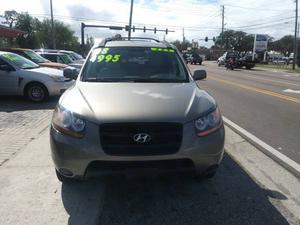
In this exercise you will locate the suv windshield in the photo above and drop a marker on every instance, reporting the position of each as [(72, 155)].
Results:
[(134, 64), (35, 57), (19, 61)]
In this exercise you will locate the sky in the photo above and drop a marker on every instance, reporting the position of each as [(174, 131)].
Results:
[(198, 18)]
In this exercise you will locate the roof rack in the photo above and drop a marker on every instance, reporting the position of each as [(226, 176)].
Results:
[(103, 42), (140, 38)]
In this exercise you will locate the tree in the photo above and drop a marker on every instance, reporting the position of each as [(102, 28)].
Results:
[(182, 45), (283, 45), (30, 25), (65, 37), (10, 17), (39, 33), (237, 40)]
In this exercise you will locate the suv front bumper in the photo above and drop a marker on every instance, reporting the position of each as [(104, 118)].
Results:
[(78, 156)]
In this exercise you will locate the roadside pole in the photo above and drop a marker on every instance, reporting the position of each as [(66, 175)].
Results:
[(254, 49), (130, 20), (295, 36), (223, 12), (52, 27)]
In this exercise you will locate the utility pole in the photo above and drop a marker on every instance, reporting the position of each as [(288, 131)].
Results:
[(52, 27), (130, 20), (223, 12), (183, 37), (295, 37)]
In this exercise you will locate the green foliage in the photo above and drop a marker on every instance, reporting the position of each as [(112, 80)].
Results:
[(39, 33), (182, 45), (283, 45), (237, 40), (28, 24), (10, 17)]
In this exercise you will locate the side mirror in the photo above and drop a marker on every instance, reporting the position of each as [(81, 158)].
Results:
[(199, 75), (6, 68), (70, 73)]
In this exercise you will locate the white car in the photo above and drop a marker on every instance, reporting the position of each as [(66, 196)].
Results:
[(20, 76), (221, 60)]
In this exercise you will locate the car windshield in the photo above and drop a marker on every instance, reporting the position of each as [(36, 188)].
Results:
[(35, 57), (134, 64), (66, 59), (70, 55), (19, 61)]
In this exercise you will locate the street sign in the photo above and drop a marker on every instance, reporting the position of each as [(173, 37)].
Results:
[(260, 42)]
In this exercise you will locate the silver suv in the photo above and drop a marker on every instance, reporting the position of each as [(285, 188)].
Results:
[(136, 105)]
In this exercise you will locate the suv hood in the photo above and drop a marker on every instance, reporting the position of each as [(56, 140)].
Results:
[(137, 102)]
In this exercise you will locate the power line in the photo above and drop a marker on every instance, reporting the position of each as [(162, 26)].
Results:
[(258, 9), (259, 24), (123, 22), (267, 26)]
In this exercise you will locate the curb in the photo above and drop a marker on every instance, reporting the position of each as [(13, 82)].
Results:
[(283, 160)]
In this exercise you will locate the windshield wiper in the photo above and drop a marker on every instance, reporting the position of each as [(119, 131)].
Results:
[(158, 80), (136, 80), (105, 80)]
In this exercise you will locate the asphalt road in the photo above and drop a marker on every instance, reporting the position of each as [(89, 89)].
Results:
[(265, 103)]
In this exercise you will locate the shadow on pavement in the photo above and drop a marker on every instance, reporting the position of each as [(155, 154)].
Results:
[(232, 198), (18, 103)]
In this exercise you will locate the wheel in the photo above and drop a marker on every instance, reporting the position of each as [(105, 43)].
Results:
[(64, 179), (36, 92)]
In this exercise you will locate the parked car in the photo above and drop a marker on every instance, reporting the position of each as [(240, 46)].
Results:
[(33, 56), (62, 56), (20, 76), (137, 106), (75, 56), (56, 57)]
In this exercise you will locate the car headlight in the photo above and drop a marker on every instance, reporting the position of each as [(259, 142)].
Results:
[(208, 124), (67, 123), (58, 78)]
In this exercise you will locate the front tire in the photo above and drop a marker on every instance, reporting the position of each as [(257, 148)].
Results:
[(36, 92)]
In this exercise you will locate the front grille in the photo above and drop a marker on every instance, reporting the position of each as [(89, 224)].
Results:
[(117, 138), (171, 164)]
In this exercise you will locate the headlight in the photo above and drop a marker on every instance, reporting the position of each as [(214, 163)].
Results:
[(209, 123), (67, 123), (58, 78)]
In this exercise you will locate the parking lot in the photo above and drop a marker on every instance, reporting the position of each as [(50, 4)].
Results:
[(31, 194)]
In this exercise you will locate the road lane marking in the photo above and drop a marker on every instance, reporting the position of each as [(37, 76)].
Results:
[(275, 81), (274, 154), (260, 78), (258, 90), (292, 91), (270, 76)]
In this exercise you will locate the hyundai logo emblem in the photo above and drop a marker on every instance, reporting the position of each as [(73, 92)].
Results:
[(142, 138)]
